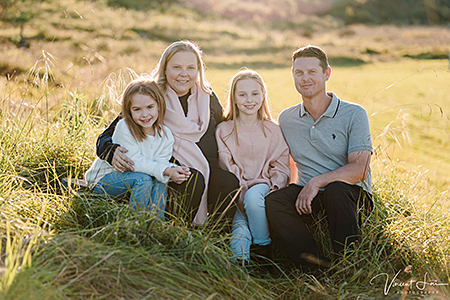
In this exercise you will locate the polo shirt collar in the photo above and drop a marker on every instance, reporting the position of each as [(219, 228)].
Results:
[(302, 110), (331, 110), (333, 107)]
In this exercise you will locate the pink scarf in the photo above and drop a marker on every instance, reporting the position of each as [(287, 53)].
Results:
[(187, 131)]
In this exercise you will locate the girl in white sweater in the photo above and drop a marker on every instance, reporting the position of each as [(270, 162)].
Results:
[(252, 147), (149, 144)]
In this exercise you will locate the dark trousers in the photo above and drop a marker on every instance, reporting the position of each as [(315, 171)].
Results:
[(339, 202), (221, 189)]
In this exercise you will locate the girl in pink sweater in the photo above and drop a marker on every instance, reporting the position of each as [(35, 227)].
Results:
[(252, 147)]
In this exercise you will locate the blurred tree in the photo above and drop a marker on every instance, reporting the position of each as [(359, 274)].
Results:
[(433, 12), (18, 13), (141, 4)]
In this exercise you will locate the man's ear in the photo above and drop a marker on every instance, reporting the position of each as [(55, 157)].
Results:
[(328, 72)]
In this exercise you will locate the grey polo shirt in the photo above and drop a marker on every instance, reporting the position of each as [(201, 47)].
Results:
[(322, 146)]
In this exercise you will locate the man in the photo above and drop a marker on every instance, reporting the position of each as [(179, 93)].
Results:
[(329, 140)]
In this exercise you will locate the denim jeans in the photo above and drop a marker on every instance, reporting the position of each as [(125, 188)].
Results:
[(145, 191), (250, 227)]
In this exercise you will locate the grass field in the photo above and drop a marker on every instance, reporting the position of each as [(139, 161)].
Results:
[(67, 246), (57, 95)]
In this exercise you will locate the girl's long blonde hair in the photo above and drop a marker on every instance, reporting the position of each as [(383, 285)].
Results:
[(232, 111), (144, 85), (159, 73)]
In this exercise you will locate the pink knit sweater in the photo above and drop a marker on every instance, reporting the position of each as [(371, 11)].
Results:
[(258, 158)]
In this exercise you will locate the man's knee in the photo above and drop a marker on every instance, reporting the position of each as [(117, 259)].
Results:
[(342, 190), (336, 187), (287, 195), (271, 200), (339, 196), (277, 201)]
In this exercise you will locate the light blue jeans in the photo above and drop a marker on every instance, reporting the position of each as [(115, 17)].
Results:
[(250, 227), (145, 191)]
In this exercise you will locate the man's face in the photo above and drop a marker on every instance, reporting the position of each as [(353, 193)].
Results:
[(309, 78)]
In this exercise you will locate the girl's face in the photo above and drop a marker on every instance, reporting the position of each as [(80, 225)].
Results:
[(249, 97), (144, 111), (182, 72)]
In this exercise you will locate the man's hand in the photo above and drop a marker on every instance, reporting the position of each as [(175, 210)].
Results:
[(121, 162), (177, 174), (306, 196)]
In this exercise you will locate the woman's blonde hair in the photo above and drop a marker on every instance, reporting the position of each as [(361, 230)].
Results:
[(232, 111), (144, 85), (159, 73)]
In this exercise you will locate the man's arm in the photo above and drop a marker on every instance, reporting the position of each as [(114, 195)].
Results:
[(355, 171)]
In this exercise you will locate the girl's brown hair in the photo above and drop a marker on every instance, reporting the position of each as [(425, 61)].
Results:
[(232, 111), (144, 85)]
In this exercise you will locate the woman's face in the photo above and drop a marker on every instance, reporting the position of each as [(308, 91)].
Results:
[(182, 72)]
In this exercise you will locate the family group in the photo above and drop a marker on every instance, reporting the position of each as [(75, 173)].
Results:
[(173, 132)]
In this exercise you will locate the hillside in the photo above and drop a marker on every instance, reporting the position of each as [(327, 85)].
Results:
[(59, 91), (91, 33)]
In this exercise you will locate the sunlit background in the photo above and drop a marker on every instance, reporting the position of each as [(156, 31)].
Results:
[(64, 63)]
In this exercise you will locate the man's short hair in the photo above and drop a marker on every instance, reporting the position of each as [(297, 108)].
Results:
[(312, 51)]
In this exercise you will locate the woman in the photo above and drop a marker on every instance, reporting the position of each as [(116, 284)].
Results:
[(192, 113)]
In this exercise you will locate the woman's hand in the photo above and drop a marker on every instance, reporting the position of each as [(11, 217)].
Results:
[(177, 174), (121, 162)]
